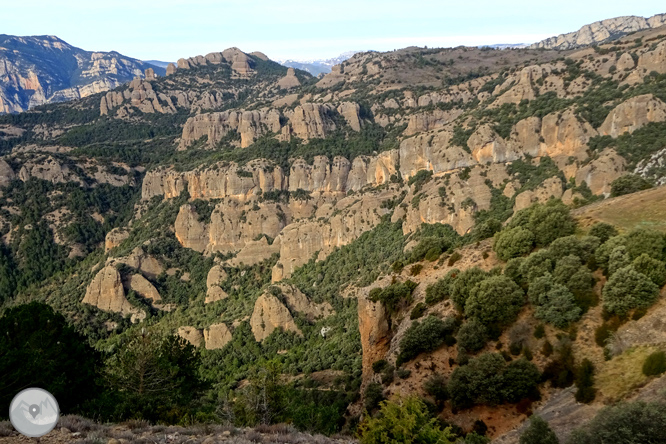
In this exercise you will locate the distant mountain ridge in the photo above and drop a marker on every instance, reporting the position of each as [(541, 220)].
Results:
[(35, 70), (601, 32), (318, 66)]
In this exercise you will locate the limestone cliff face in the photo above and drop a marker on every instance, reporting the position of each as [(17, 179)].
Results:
[(6, 173), (601, 172), (216, 275), (241, 64), (190, 232), (269, 313), (550, 188), (217, 336), (144, 288), (106, 293), (290, 80), (633, 114), (114, 238), (653, 60), (373, 324), (248, 125), (601, 32), (44, 69), (192, 335)]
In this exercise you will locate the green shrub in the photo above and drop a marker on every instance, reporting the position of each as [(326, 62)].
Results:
[(603, 231), (570, 272), (652, 268), (626, 423), (655, 364), (435, 386), (424, 336), (472, 336), (462, 285), (619, 258), (585, 382), (379, 366), (539, 331), (373, 396), (554, 303), (455, 257), (433, 254), (489, 380), (538, 432), (628, 184), (512, 270), (403, 421), (393, 295), (513, 242), (628, 289), (645, 241), (536, 265), (415, 269), (440, 290), (547, 221), (496, 300), (418, 311)]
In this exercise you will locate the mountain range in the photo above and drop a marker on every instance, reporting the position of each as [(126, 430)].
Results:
[(481, 228)]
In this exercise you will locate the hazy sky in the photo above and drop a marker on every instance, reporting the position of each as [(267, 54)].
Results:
[(299, 29)]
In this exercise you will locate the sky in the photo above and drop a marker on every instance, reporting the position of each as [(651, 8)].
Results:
[(300, 29)]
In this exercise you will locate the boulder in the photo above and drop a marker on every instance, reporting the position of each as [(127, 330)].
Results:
[(114, 238), (268, 314), (144, 288), (191, 335), (150, 74), (106, 292), (217, 336), (170, 69), (633, 114)]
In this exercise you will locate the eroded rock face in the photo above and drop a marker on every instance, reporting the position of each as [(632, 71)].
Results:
[(601, 172), (311, 121), (633, 114), (653, 60), (106, 292), (249, 125), (139, 260), (373, 325), (144, 288), (269, 313), (6, 173), (192, 335), (114, 238), (215, 277), (217, 336), (297, 301), (47, 169), (550, 188), (290, 80), (190, 232)]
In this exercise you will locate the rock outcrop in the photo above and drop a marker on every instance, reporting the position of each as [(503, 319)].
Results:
[(549, 189), (654, 60), (633, 114), (268, 314), (192, 335), (601, 32), (290, 80), (6, 173), (217, 336), (296, 301), (373, 325), (190, 232), (114, 238), (144, 288), (106, 293), (601, 172), (216, 275)]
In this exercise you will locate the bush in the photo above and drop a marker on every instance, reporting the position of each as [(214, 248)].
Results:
[(536, 265), (418, 311), (462, 285), (455, 257), (570, 272), (547, 221), (585, 382), (538, 432), (644, 241), (514, 242), (628, 184), (652, 268), (472, 336), (435, 386), (655, 364), (628, 289), (424, 336), (373, 396), (489, 380), (627, 423), (393, 295), (539, 331), (603, 231), (619, 258), (496, 300), (440, 290), (554, 303), (403, 421), (379, 366), (512, 270)]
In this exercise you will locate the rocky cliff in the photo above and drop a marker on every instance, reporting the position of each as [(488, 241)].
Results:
[(601, 32), (44, 69)]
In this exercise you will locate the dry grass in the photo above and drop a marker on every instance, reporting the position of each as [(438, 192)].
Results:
[(643, 209), (6, 428), (623, 373)]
